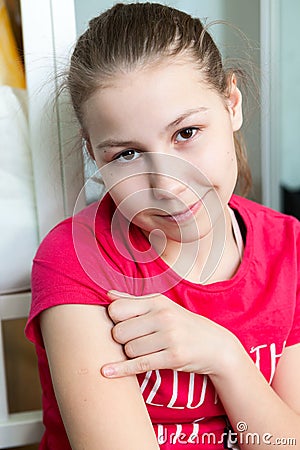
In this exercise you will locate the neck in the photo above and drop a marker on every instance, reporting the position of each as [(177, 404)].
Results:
[(214, 257)]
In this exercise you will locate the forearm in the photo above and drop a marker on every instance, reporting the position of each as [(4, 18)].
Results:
[(248, 399)]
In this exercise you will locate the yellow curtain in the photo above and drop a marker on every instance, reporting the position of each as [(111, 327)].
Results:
[(11, 68)]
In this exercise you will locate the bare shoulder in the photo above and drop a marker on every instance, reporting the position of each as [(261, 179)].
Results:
[(78, 342), (286, 380)]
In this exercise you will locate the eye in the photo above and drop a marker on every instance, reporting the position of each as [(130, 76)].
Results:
[(186, 134), (127, 156)]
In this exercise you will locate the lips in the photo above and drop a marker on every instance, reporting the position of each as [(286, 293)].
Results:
[(184, 215)]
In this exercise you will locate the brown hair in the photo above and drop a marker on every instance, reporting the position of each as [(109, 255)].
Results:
[(128, 36)]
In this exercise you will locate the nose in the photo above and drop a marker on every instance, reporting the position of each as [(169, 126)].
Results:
[(166, 186), (166, 176)]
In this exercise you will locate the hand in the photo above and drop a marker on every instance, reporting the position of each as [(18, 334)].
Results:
[(159, 334)]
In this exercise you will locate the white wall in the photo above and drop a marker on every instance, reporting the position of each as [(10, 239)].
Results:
[(85, 10), (290, 94)]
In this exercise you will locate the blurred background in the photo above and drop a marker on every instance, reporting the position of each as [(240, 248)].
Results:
[(42, 178)]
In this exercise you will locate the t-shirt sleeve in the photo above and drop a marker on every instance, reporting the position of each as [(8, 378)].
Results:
[(294, 336), (68, 270)]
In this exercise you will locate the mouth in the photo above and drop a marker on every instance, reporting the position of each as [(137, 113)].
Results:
[(183, 216)]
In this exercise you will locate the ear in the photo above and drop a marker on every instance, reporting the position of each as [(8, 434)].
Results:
[(234, 103)]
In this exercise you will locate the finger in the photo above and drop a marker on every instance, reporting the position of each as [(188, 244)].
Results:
[(134, 366), (117, 294), (133, 328), (113, 295), (126, 308), (144, 345)]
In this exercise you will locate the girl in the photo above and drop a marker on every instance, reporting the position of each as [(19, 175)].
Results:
[(170, 277)]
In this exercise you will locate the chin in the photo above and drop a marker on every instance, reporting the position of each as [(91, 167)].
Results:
[(186, 236)]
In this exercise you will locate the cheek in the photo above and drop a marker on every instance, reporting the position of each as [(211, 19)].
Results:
[(120, 181), (143, 221), (231, 157), (130, 195), (217, 157)]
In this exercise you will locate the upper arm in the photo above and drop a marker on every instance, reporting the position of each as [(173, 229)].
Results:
[(78, 342), (286, 380)]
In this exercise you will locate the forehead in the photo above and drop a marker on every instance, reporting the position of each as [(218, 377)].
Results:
[(156, 92)]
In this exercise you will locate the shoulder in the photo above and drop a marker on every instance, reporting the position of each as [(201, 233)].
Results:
[(272, 238), (81, 256), (67, 267), (264, 218), (93, 220), (81, 247)]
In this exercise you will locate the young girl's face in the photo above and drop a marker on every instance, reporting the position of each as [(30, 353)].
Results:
[(164, 142)]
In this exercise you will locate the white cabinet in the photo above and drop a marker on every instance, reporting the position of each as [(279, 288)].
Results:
[(19, 428)]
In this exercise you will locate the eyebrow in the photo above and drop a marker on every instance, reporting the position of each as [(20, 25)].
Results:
[(186, 114), (116, 143)]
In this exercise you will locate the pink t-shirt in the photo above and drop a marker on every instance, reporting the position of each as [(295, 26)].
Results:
[(83, 257)]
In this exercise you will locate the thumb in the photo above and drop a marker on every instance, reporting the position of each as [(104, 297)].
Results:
[(113, 295)]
